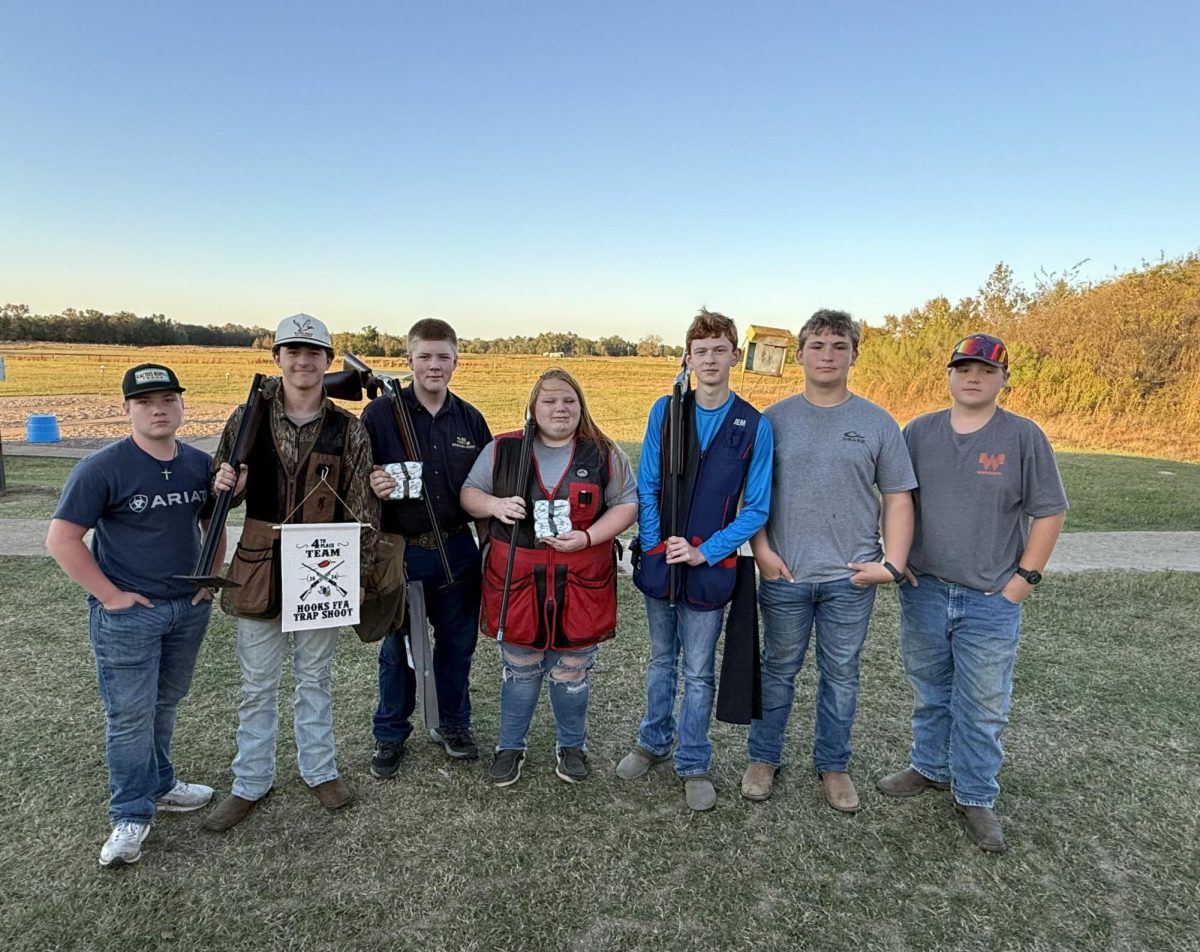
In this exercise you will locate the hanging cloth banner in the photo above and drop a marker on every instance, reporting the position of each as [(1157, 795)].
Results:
[(319, 565)]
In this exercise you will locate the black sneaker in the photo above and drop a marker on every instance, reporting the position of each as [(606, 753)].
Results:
[(386, 760), (506, 768), (457, 742), (572, 765)]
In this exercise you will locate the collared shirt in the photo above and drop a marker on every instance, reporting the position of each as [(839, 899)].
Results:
[(448, 443), (290, 440)]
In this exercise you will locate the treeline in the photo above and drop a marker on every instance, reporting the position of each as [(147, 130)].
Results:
[(96, 327), (370, 342), (1113, 364), (17, 323)]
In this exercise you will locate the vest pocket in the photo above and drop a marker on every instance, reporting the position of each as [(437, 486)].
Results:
[(521, 623), (589, 609), (711, 586), (253, 568), (650, 571), (585, 500)]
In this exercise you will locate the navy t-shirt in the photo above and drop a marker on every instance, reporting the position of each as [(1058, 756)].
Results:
[(147, 525)]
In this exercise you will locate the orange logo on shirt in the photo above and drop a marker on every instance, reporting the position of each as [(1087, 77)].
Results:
[(990, 464)]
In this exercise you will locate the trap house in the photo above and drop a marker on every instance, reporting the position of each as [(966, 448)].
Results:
[(319, 563)]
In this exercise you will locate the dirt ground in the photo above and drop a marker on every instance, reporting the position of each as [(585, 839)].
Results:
[(99, 416)]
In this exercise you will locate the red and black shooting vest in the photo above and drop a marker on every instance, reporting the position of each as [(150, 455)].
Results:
[(557, 600), (709, 491)]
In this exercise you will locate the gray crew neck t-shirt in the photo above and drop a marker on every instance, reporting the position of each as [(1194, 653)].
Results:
[(829, 462), (978, 493)]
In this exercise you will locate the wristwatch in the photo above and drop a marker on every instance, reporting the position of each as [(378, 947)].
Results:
[(1032, 576), (897, 575)]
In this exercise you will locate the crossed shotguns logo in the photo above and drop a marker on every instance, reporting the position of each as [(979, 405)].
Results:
[(323, 571)]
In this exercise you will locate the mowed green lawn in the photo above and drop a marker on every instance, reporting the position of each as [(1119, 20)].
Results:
[(1107, 493), (1099, 799), (1099, 795)]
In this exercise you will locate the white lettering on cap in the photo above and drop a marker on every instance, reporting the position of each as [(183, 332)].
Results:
[(151, 375)]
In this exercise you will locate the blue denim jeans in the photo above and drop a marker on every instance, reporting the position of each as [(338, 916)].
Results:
[(570, 691), (679, 630), (454, 617), (144, 663), (791, 611), (260, 647), (959, 646)]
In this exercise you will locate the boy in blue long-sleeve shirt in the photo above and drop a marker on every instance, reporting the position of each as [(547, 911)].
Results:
[(688, 577)]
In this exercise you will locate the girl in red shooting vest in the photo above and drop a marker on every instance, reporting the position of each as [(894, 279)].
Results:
[(579, 495)]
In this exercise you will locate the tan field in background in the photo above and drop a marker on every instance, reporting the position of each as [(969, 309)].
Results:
[(81, 384)]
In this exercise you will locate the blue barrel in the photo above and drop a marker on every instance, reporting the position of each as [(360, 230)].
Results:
[(42, 428)]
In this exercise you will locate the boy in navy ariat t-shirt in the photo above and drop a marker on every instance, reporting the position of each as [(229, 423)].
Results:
[(146, 497)]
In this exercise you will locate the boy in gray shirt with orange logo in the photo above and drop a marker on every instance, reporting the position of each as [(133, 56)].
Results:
[(989, 511)]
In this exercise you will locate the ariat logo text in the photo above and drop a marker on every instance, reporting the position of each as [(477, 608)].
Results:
[(990, 464)]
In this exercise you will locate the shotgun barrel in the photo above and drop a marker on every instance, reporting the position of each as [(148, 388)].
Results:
[(673, 456), (256, 406), (522, 482)]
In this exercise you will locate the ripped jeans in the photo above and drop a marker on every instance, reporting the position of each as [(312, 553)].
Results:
[(524, 670)]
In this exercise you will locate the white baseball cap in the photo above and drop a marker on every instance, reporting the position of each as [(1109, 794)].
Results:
[(303, 329)]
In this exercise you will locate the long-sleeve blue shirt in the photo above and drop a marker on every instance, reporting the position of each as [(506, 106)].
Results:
[(756, 499)]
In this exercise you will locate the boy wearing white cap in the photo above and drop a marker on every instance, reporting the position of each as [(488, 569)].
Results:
[(309, 462)]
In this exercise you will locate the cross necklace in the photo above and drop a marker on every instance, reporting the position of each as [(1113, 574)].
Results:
[(166, 470)]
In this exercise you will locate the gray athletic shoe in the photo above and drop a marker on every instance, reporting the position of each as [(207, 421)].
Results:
[(184, 797), (124, 844), (637, 763)]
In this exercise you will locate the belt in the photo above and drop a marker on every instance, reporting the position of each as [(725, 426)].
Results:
[(428, 540)]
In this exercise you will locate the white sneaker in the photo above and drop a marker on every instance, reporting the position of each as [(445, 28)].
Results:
[(184, 797), (124, 844)]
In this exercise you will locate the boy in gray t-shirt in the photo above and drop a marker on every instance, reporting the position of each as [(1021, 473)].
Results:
[(840, 467), (989, 511)]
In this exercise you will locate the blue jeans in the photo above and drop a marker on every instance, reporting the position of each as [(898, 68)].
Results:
[(570, 690), (144, 663), (454, 617), (260, 647), (959, 646), (839, 612), (674, 630)]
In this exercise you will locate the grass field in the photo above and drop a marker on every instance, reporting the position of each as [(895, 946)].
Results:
[(619, 390), (81, 382), (1099, 797), (1107, 493)]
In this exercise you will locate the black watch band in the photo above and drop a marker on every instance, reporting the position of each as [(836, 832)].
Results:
[(1032, 576), (897, 575)]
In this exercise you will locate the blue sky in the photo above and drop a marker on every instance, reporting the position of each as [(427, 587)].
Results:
[(596, 167)]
